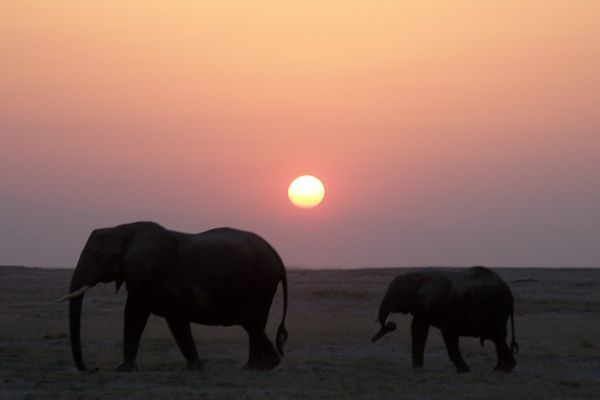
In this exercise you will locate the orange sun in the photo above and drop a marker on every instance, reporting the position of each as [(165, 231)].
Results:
[(306, 191)]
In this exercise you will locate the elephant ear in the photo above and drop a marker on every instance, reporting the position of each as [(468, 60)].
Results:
[(432, 293), (146, 255)]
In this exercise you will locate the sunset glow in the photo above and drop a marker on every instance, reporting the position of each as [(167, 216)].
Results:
[(454, 132), (306, 191)]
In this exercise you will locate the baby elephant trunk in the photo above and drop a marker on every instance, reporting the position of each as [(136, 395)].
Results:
[(388, 327), (384, 311)]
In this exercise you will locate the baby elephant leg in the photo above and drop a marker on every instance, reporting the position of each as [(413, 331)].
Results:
[(419, 330), (506, 360), (451, 340)]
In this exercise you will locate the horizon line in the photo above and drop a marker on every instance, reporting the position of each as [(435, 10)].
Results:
[(354, 268)]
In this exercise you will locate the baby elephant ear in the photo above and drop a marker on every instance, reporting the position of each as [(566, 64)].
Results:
[(432, 293), (146, 255)]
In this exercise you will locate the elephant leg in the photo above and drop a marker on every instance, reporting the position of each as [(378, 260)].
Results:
[(182, 333), (419, 330), (262, 353), (135, 322), (506, 360), (451, 340)]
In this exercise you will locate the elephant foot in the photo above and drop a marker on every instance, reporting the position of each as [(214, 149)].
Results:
[(463, 369), (260, 367), (195, 365), (505, 367), (126, 366), (262, 354), (263, 363), (87, 370)]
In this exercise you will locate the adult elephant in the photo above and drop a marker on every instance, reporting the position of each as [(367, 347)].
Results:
[(472, 302), (219, 277)]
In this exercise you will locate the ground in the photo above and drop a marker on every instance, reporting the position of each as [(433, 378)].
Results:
[(328, 355)]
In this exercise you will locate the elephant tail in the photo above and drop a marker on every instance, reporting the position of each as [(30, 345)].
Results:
[(282, 333), (514, 346)]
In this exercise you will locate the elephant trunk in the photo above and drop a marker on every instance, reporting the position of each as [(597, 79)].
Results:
[(78, 282), (384, 311), (75, 331)]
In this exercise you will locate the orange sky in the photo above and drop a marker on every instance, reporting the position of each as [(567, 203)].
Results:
[(446, 132)]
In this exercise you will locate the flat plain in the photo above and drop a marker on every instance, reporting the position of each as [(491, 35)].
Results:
[(328, 355)]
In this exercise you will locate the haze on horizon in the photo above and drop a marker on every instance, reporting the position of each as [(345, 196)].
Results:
[(446, 133)]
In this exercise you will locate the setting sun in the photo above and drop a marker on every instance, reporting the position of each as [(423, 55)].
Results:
[(306, 191)]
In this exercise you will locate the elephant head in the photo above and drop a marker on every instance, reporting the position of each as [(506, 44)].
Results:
[(130, 253), (413, 293)]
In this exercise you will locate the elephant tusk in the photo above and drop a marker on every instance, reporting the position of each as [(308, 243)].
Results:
[(76, 293)]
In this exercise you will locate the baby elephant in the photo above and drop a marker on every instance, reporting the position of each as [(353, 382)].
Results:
[(473, 302)]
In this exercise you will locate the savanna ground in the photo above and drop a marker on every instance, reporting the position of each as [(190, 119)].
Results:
[(328, 355)]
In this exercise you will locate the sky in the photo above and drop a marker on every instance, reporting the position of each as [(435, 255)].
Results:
[(446, 133)]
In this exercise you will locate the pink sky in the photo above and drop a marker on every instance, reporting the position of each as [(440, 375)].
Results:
[(446, 133)]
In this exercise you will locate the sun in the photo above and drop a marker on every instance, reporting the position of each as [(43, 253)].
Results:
[(306, 191)]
